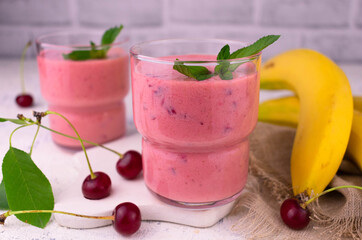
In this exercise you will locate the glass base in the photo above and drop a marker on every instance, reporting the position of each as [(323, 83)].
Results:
[(194, 205), (96, 124)]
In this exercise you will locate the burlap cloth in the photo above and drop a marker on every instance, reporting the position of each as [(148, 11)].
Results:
[(336, 215)]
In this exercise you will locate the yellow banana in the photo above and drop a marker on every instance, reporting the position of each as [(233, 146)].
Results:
[(354, 149), (357, 103), (280, 111), (285, 112), (325, 119)]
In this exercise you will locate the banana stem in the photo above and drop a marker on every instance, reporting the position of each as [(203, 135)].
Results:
[(79, 138), (28, 44), (304, 205)]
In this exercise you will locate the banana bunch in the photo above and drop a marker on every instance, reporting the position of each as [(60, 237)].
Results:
[(323, 117), (285, 111)]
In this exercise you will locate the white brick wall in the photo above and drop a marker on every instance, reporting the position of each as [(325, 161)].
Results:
[(306, 13), (345, 48), (359, 15), (233, 12), (12, 42), (132, 13), (34, 12), (333, 27)]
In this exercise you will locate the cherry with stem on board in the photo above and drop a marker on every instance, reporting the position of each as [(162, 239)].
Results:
[(24, 99), (126, 217), (295, 213), (95, 186)]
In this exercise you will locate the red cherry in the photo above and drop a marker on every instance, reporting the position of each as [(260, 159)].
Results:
[(293, 215), (127, 218), (130, 165), (97, 188), (24, 100)]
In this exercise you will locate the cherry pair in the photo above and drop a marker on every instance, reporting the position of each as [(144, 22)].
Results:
[(128, 166)]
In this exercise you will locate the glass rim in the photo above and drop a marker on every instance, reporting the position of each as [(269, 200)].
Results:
[(122, 39), (133, 51)]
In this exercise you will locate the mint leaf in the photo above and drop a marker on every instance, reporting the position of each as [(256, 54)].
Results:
[(197, 72), (108, 38), (223, 67), (26, 187), (78, 55), (16, 121), (250, 50), (255, 47), (3, 200), (224, 53), (93, 45), (110, 35), (226, 76)]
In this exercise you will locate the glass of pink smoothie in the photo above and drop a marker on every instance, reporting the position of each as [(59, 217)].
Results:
[(195, 133), (89, 93)]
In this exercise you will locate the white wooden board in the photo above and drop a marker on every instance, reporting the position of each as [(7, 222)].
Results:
[(123, 190)]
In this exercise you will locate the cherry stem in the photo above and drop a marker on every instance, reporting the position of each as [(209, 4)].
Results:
[(9, 213), (12, 133), (36, 134), (84, 140), (304, 205), (28, 44), (79, 138), (68, 136)]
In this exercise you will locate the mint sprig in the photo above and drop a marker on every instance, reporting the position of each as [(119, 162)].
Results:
[(225, 69), (108, 38), (197, 72)]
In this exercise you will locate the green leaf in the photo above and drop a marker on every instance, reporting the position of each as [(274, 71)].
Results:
[(3, 200), (93, 45), (224, 53), (78, 55), (199, 73), (226, 76), (223, 67), (108, 38), (26, 187), (110, 35), (255, 47), (16, 121)]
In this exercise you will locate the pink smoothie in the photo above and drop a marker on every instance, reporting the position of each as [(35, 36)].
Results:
[(195, 146), (89, 93)]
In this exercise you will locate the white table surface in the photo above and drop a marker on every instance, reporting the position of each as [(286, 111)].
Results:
[(56, 163)]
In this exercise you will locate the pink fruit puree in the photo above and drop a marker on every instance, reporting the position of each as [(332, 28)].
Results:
[(195, 146), (89, 93)]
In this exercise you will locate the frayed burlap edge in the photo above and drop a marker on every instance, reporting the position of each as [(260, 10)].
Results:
[(255, 225), (340, 227)]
